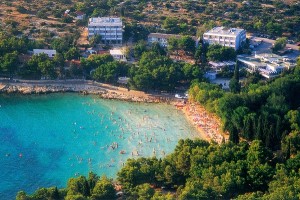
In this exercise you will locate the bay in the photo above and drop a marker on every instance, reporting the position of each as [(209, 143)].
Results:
[(46, 139)]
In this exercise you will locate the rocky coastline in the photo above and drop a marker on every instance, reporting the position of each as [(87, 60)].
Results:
[(107, 91), (102, 90)]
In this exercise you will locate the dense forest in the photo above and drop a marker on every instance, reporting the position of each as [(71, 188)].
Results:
[(267, 111)]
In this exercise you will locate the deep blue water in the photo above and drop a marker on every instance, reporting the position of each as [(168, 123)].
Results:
[(46, 139)]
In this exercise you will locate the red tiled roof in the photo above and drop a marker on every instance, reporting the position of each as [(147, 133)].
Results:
[(78, 13)]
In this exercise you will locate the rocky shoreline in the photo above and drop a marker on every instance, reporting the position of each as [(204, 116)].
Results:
[(105, 91)]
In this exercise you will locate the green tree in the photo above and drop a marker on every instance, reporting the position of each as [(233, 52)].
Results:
[(173, 44), (94, 40), (160, 196), (188, 44), (200, 53), (139, 48), (274, 28), (72, 53), (191, 72), (217, 52), (156, 48), (258, 25), (293, 116), (234, 84), (259, 171), (62, 44), (47, 69), (279, 44), (170, 24), (21, 195), (145, 191), (39, 65), (109, 72), (9, 63), (103, 189), (78, 187), (92, 180), (233, 134)]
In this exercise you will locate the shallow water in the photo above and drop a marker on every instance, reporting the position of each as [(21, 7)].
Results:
[(46, 139)]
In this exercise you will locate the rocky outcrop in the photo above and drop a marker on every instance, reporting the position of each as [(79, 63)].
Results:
[(44, 89), (24, 88)]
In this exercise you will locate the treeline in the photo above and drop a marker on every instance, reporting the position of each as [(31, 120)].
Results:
[(14, 59), (265, 111), (80, 188), (154, 71), (195, 170)]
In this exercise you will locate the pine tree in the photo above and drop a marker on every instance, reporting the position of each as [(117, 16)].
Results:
[(258, 135), (233, 135), (288, 151), (55, 194), (234, 84)]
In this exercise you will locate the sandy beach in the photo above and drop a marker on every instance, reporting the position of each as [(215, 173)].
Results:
[(207, 124)]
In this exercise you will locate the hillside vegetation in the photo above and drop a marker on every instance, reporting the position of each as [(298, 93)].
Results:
[(45, 19)]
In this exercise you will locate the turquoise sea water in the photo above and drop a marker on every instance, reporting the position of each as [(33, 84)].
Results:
[(46, 139)]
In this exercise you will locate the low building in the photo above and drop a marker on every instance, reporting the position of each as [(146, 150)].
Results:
[(79, 15), (251, 63), (118, 54), (110, 29), (50, 52), (229, 37), (219, 66), (268, 65), (162, 38)]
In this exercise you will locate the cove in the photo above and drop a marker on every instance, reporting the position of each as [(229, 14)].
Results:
[(46, 139)]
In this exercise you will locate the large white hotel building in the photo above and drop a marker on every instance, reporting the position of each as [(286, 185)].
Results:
[(110, 29), (229, 37)]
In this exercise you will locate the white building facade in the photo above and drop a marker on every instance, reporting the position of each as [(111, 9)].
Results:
[(50, 52), (110, 29), (268, 65), (229, 37), (117, 54), (162, 38)]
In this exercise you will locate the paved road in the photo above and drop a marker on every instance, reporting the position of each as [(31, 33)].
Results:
[(266, 40), (266, 45)]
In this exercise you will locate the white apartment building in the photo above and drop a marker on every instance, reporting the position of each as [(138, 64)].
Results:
[(110, 29), (229, 37)]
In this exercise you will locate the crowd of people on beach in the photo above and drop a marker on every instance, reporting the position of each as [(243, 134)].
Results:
[(205, 122)]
